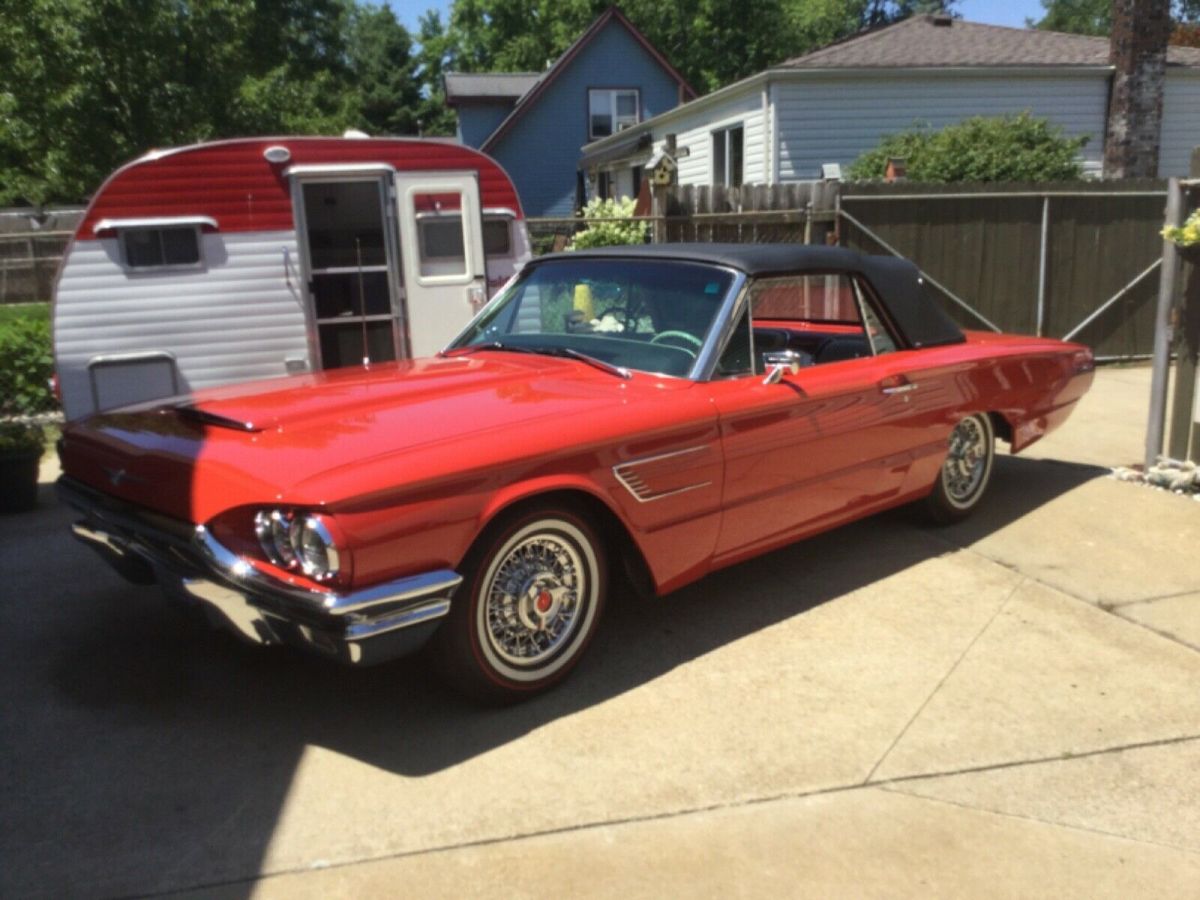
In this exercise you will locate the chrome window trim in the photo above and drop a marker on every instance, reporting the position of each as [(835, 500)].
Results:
[(727, 317), (710, 350)]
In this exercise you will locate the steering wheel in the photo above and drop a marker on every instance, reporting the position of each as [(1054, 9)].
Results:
[(679, 336)]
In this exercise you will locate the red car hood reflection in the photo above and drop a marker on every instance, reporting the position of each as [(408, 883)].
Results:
[(259, 442)]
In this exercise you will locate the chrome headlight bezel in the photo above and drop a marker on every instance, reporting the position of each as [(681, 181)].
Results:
[(298, 542), (273, 528), (320, 564)]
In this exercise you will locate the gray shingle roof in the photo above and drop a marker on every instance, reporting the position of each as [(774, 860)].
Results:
[(920, 42), (489, 85)]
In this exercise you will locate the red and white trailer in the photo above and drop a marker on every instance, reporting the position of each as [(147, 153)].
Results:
[(256, 257)]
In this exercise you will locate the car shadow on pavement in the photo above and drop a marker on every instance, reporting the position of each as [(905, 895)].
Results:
[(140, 735)]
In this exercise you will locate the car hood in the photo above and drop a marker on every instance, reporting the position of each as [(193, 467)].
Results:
[(309, 439)]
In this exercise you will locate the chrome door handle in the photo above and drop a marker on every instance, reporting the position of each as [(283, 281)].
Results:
[(900, 388)]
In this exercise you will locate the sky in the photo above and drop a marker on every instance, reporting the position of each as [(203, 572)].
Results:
[(992, 12)]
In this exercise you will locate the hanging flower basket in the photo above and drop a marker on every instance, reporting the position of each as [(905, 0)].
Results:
[(1186, 237)]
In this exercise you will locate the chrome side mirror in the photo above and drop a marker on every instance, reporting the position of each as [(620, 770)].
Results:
[(780, 363)]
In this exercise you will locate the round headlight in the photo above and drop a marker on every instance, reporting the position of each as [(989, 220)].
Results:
[(274, 535), (314, 548)]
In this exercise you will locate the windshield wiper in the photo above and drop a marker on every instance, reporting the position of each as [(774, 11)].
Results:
[(486, 345), (572, 353), (565, 352)]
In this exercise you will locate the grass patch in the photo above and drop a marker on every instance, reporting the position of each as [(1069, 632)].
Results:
[(32, 312)]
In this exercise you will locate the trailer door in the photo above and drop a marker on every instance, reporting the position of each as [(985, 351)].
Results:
[(348, 243), (441, 236)]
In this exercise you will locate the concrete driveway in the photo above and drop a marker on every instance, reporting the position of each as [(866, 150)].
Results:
[(1006, 707)]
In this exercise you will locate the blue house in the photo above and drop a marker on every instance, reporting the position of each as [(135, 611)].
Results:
[(534, 124)]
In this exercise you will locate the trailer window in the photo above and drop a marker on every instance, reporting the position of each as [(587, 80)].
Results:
[(496, 240), (442, 245), (151, 248)]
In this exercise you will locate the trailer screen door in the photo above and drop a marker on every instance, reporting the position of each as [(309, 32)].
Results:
[(441, 231), (352, 271)]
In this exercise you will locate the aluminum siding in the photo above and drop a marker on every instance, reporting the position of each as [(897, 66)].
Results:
[(1181, 122), (235, 319), (695, 132), (836, 118)]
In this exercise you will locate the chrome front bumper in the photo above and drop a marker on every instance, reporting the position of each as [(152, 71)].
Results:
[(361, 627)]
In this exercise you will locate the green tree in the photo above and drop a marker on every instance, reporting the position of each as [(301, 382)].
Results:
[(1095, 16), (435, 58), (712, 42), (383, 72), (1004, 148), (87, 84)]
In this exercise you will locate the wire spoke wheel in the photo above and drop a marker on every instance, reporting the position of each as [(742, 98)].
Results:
[(967, 461), (966, 471), (529, 608), (532, 602)]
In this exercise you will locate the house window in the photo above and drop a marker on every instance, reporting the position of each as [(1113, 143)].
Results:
[(637, 181), (727, 156), (610, 111), (156, 248), (604, 185)]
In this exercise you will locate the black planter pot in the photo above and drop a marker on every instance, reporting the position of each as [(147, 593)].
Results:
[(19, 480)]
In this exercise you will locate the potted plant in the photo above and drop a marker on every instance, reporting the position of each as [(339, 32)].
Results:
[(21, 445)]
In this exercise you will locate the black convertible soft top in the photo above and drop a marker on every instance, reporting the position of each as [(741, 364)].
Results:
[(897, 282)]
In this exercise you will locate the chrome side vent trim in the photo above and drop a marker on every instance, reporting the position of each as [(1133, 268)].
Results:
[(634, 482)]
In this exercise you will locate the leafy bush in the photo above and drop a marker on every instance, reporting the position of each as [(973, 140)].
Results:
[(26, 364), (610, 234), (21, 437), (1004, 148)]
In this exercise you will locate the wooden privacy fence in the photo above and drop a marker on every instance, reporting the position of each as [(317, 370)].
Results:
[(1078, 260)]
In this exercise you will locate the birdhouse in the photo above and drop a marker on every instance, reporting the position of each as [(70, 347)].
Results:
[(662, 168)]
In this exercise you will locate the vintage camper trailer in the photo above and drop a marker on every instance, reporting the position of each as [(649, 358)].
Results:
[(258, 257)]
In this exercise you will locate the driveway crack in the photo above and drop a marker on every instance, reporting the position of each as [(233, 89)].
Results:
[(938, 686)]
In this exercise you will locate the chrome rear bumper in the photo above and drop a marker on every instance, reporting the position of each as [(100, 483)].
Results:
[(361, 627)]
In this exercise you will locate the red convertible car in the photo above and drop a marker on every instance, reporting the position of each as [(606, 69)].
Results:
[(630, 416)]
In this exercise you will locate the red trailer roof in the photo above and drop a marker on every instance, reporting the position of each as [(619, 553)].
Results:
[(231, 182)]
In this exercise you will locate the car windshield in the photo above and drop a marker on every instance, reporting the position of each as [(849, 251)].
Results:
[(646, 315)]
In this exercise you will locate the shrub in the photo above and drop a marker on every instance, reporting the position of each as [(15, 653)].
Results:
[(26, 364), (1004, 148), (610, 234), (20, 437)]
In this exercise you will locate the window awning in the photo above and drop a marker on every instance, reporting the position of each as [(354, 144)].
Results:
[(155, 222)]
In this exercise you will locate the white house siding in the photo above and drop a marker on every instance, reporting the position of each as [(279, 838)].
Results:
[(835, 119), (237, 318), (1181, 122), (694, 131)]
